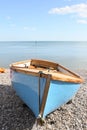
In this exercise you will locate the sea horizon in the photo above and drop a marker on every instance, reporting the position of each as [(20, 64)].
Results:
[(71, 54), (42, 41)]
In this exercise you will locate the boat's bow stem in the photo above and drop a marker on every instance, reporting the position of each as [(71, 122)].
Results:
[(44, 98)]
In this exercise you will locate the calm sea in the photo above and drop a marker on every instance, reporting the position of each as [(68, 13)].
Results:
[(70, 54)]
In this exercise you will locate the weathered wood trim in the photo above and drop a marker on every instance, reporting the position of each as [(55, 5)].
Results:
[(54, 75), (46, 89), (20, 62), (67, 75), (44, 63), (74, 74), (39, 87)]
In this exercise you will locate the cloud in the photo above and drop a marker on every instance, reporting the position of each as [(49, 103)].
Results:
[(8, 17), (29, 28), (82, 21), (26, 28), (78, 9), (10, 22), (33, 29)]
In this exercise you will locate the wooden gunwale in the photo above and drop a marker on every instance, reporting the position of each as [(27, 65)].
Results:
[(54, 75), (20, 62)]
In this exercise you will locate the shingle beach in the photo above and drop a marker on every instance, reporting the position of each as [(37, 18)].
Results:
[(14, 115)]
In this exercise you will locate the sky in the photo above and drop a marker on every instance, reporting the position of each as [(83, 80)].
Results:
[(43, 20)]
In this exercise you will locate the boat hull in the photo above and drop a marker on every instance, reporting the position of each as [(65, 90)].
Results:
[(27, 88)]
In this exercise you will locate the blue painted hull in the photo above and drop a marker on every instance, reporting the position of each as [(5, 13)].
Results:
[(59, 92)]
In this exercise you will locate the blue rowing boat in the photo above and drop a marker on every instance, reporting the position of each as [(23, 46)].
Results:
[(44, 85)]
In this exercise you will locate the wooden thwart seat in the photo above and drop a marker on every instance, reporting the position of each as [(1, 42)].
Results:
[(44, 64)]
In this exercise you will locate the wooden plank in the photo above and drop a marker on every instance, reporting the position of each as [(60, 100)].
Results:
[(46, 89), (74, 74), (20, 62), (44, 64), (54, 75), (39, 87), (67, 76)]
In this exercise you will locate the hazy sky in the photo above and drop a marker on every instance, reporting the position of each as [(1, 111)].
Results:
[(57, 20)]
